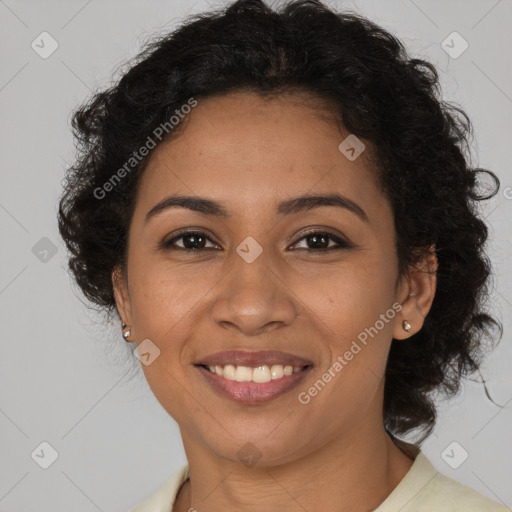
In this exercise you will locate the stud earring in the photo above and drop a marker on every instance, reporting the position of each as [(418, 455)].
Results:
[(407, 326), (126, 332)]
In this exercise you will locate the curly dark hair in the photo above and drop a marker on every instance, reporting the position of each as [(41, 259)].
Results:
[(392, 101)]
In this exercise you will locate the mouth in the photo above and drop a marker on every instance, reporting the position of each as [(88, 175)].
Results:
[(253, 385), (260, 374)]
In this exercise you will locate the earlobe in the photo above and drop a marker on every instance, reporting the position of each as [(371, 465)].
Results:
[(417, 293), (122, 296)]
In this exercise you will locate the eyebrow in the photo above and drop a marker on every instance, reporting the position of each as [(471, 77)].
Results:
[(289, 207)]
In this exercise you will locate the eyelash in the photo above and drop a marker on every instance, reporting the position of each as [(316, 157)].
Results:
[(342, 244)]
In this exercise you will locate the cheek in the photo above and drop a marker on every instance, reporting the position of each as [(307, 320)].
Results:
[(348, 296), (352, 309), (164, 298), (163, 309)]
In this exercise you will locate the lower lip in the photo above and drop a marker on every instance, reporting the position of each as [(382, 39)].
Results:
[(253, 392)]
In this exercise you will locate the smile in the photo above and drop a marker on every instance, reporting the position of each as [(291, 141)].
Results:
[(252, 385), (263, 373)]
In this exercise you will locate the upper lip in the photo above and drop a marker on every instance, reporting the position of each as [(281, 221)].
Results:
[(262, 357)]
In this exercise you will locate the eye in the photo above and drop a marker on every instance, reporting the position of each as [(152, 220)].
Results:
[(193, 241), (320, 242), (196, 241)]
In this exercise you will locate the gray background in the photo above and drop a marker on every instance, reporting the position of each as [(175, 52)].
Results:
[(70, 380)]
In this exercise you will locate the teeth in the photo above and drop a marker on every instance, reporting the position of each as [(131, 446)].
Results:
[(243, 374), (259, 374), (229, 372), (277, 371)]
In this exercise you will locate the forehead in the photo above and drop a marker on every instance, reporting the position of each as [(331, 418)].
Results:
[(245, 150)]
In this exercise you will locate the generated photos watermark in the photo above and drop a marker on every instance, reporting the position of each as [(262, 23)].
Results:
[(305, 397), (138, 155)]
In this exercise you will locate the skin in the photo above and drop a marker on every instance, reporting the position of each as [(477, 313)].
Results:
[(249, 154)]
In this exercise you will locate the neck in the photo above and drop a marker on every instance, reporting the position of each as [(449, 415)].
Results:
[(353, 472)]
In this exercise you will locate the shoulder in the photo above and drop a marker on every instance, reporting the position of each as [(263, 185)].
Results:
[(424, 489), (444, 493), (163, 499)]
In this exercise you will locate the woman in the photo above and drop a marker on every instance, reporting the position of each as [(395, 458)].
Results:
[(279, 209)]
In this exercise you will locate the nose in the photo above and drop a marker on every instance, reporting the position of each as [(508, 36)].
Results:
[(253, 299)]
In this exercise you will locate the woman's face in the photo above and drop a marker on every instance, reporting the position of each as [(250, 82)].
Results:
[(252, 285)]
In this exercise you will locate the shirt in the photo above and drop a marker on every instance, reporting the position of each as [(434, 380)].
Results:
[(422, 489)]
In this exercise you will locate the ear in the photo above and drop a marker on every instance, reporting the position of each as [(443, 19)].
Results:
[(122, 296), (416, 293)]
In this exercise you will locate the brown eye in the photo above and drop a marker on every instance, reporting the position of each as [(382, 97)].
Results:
[(319, 241), (191, 240), (196, 241)]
